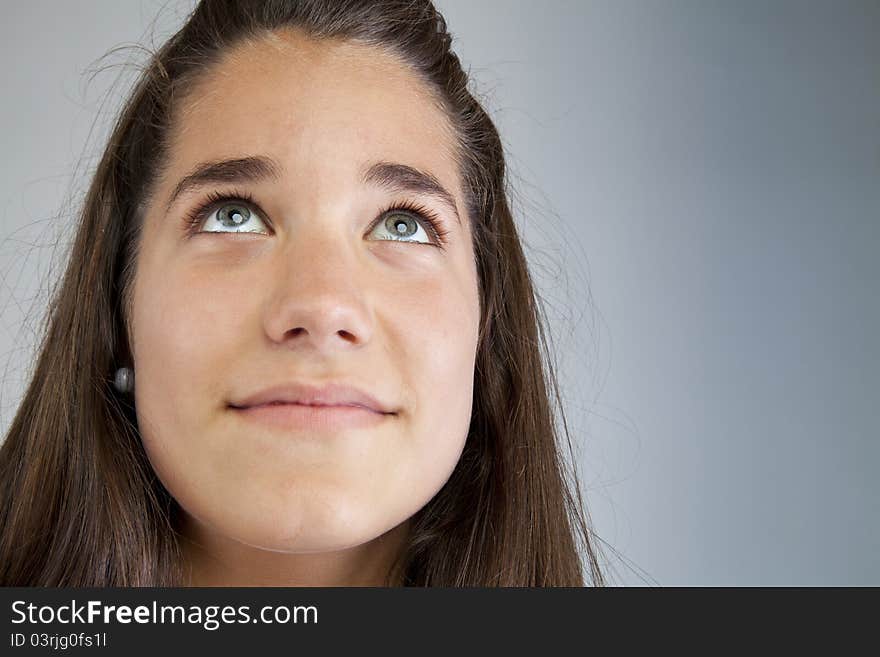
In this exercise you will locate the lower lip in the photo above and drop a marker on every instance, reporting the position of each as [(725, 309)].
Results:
[(314, 418)]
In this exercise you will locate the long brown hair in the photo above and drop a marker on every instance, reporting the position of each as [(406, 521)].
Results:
[(79, 502)]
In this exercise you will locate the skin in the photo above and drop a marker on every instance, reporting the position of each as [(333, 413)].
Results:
[(314, 296)]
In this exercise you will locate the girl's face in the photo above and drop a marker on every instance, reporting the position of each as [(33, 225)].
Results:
[(294, 273)]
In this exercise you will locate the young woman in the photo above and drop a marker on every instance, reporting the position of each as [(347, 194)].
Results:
[(297, 341)]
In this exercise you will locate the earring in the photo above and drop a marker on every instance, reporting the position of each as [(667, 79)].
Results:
[(124, 381)]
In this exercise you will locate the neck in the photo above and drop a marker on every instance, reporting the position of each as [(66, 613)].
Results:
[(214, 560)]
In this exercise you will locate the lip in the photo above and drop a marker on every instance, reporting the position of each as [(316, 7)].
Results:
[(337, 396), (291, 417)]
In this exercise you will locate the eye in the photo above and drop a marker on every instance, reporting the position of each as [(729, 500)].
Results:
[(407, 222), (224, 214)]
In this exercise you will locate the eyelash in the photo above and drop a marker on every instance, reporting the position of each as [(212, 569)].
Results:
[(214, 200)]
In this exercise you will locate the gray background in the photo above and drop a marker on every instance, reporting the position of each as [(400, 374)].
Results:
[(698, 185)]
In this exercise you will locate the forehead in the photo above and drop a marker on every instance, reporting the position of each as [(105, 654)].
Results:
[(320, 107)]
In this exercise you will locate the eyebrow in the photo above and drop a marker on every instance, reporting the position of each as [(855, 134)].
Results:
[(393, 176), (245, 169), (397, 177)]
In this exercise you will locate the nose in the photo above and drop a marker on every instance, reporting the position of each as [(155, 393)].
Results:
[(319, 296)]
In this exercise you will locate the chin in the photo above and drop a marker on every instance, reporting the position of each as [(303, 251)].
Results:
[(301, 532)]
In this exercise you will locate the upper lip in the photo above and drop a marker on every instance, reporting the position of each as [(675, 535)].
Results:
[(330, 394)]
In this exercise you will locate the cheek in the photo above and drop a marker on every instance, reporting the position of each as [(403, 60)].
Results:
[(442, 342), (181, 324), (440, 338), (182, 330)]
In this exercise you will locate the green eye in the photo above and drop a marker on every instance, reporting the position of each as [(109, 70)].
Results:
[(231, 215), (401, 226)]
